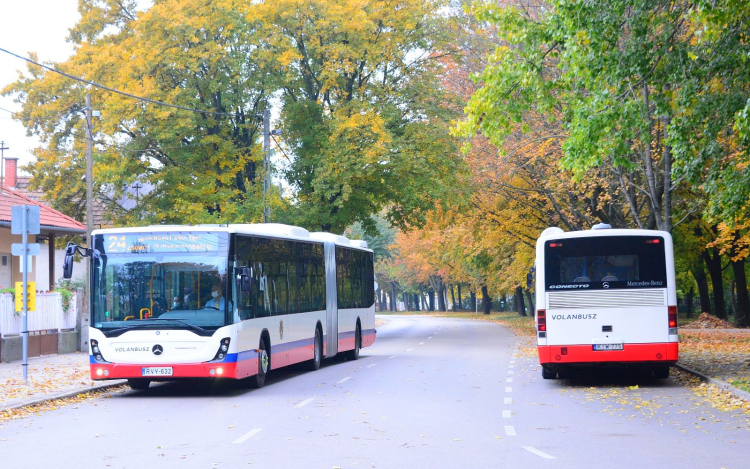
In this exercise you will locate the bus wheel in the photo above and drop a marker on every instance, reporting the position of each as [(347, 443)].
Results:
[(548, 374), (138, 383), (314, 364), (264, 365), (354, 354), (662, 372)]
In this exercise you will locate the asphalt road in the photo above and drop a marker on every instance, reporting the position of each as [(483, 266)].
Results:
[(431, 392)]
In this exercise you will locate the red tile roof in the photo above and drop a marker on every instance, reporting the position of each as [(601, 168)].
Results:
[(49, 218)]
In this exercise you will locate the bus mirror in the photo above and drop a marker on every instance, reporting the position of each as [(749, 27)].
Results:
[(245, 279), (68, 263)]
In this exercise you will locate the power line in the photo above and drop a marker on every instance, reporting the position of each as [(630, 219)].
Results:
[(113, 90)]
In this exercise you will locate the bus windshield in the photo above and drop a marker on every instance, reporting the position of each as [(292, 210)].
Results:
[(608, 262), (147, 289)]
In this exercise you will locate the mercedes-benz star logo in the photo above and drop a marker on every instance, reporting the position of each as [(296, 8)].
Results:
[(157, 349)]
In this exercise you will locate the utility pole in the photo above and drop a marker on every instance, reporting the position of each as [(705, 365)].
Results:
[(2, 163), (266, 165), (89, 197)]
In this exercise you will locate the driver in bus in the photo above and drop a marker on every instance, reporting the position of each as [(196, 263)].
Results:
[(217, 301)]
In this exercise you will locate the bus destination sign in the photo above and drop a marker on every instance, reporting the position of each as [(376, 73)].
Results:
[(162, 242)]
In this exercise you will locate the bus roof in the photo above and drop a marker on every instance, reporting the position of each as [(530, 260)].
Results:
[(274, 230), (559, 234)]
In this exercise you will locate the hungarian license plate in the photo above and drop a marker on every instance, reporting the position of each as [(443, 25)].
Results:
[(156, 371), (607, 346)]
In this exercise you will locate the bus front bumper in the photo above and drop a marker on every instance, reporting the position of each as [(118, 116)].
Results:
[(666, 352), (164, 372)]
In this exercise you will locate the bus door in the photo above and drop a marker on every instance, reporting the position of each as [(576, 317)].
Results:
[(332, 312)]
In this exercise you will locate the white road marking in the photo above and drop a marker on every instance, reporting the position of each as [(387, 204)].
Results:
[(409, 349), (343, 380), (420, 344), (510, 372), (510, 431), (370, 366), (511, 366), (508, 400), (246, 436), (392, 356), (506, 414), (531, 449), (508, 389), (430, 337), (509, 380), (305, 402)]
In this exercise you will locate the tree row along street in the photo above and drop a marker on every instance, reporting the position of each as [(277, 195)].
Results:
[(431, 391)]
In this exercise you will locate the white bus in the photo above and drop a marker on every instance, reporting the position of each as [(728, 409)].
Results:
[(224, 301), (605, 297)]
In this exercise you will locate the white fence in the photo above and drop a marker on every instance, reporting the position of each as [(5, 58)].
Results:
[(49, 314)]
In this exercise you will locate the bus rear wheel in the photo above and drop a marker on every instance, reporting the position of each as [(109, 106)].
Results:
[(661, 372), (264, 365), (354, 354), (139, 384), (548, 374), (314, 364)]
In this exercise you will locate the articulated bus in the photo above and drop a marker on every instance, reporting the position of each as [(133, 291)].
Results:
[(605, 297), (224, 301)]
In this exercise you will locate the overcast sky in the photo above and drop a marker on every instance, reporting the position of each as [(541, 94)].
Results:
[(39, 26)]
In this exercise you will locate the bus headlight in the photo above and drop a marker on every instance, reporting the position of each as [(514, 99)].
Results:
[(96, 351), (223, 349)]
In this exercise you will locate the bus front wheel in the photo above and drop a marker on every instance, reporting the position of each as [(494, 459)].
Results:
[(138, 383), (264, 365)]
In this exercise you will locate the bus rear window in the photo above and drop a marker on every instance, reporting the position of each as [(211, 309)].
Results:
[(605, 263)]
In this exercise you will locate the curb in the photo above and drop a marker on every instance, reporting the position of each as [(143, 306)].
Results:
[(739, 393), (63, 395)]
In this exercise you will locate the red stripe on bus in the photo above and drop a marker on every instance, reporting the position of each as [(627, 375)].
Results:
[(630, 353)]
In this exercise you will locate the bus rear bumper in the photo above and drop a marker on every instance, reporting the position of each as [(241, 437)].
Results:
[(235, 370), (666, 353)]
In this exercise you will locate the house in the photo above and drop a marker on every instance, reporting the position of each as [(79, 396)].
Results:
[(46, 268)]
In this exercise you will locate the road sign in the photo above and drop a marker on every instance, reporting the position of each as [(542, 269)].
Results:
[(17, 249), (30, 296), (32, 219)]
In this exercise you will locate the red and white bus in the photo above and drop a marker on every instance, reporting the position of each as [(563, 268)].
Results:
[(605, 297), (224, 301)]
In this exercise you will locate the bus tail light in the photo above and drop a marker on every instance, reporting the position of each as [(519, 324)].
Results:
[(541, 320), (672, 320)]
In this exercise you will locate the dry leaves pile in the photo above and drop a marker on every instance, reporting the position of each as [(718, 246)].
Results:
[(54, 404), (45, 380), (720, 354), (708, 321)]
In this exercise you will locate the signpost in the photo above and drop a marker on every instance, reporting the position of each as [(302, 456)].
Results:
[(25, 221)]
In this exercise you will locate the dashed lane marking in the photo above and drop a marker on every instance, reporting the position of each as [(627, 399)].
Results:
[(531, 449), (420, 344), (508, 400), (392, 356), (508, 389), (511, 366), (305, 402), (510, 431), (370, 366), (430, 337), (343, 380), (509, 380), (506, 414), (409, 349), (510, 372), (246, 436)]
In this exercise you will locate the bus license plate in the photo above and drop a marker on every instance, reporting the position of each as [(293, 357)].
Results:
[(156, 371), (607, 346)]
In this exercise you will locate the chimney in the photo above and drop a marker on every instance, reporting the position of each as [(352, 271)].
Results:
[(11, 172)]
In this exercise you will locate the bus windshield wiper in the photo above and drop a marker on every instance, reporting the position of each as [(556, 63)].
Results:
[(181, 321)]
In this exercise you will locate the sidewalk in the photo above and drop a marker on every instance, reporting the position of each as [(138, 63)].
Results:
[(50, 377)]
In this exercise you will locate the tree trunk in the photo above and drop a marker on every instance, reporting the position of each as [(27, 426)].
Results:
[(700, 279), (407, 306), (713, 262), (460, 305), (393, 296), (415, 298), (441, 296), (473, 301), (530, 301), (520, 308), (486, 300), (690, 298), (431, 295), (742, 313), (453, 298)]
